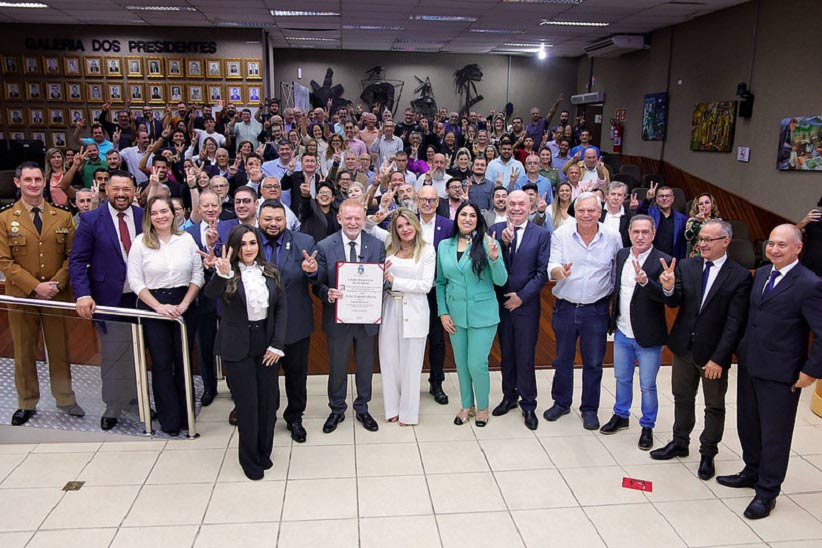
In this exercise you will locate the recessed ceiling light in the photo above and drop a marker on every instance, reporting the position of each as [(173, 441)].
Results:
[(27, 5), (370, 27), (567, 2), (524, 45), (542, 54), (498, 31), (300, 13), (443, 18), (160, 8), (310, 39), (574, 23)]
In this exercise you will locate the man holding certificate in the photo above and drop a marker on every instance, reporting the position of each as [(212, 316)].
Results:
[(350, 286)]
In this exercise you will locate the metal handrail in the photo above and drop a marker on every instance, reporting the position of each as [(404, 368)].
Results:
[(139, 352)]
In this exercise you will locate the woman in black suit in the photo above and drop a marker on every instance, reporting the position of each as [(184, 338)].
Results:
[(250, 340)]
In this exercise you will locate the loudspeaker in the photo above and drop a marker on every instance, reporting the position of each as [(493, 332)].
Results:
[(746, 106), (14, 153)]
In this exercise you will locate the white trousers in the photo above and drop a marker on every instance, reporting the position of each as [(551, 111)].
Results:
[(401, 365)]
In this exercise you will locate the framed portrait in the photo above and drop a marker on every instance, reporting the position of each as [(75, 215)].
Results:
[(799, 138), (154, 67), (194, 68), (54, 91), (51, 66), (58, 139), (176, 92), (37, 117), (12, 91), (11, 65), (39, 136), (74, 92), (94, 66), (134, 67), (195, 93), (254, 94), (156, 93), (253, 69), (75, 115), (94, 93), (215, 93), (214, 68), (57, 117), (34, 91), (234, 94), (31, 65), (114, 93), (15, 117), (233, 69), (114, 66), (95, 114), (174, 67), (158, 114), (136, 93), (71, 66), (18, 135)]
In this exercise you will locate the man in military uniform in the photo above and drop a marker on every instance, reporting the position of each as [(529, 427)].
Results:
[(35, 241)]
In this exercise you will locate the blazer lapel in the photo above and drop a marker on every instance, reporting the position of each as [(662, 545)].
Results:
[(49, 216), (782, 285), (22, 217), (285, 251), (720, 279)]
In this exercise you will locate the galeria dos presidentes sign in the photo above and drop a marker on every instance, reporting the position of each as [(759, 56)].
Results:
[(115, 46)]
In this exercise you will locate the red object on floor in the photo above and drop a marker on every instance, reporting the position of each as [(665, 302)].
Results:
[(639, 485)]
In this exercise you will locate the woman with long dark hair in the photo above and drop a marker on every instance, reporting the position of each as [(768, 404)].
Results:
[(469, 265)]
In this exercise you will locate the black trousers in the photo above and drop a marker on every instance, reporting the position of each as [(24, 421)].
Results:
[(166, 350), (766, 413), (256, 393), (685, 379), (295, 369), (206, 335), (436, 342)]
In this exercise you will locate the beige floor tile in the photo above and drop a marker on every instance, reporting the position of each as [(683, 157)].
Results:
[(333, 461), (440, 428), (146, 444), (343, 435), (119, 468), (213, 435), (599, 486), (430, 407), (515, 454), (338, 533), (803, 477), (77, 538), (453, 457), (399, 532), (187, 466), (320, 499), (77, 447), (632, 526), (246, 502), (807, 440), (388, 433), (25, 509), (706, 523), (577, 451), (812, 502), (262, 535), (623, 447), (671, 481), (216, 412), (15, 540), (231, 471), (8, 462), (47, 470), (388, 459), (792, 544), (17, 448), (169, 505), (788, 521), (724, 468), (93, 507), (478, 530), (181, 536), (393, 496), (568, 426), (282, 438), (557, 528), (508, 426), (474, 492), (527, 489)]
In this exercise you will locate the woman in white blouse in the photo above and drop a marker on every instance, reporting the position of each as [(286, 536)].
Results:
[(166, 273), (250, 341)]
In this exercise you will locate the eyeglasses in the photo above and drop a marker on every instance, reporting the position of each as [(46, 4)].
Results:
[(664, 196), (709, 240), (271, 187), (243, 200)]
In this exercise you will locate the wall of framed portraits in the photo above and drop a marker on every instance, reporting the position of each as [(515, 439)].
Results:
[(52, 76)]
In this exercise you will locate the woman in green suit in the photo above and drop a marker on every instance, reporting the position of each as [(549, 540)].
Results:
[(469, 264)]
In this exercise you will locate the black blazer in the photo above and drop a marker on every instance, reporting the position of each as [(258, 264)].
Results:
[(712, 333), (624, 225), (233, 340), (647, 303), (313, 221), (295, 282), (775, 344), (444, 209)]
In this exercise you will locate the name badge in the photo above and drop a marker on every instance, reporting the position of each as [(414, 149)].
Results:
[(62, 231)]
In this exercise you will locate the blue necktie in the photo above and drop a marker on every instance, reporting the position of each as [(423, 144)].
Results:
[(705, 274), (514, 242), (769, 286)]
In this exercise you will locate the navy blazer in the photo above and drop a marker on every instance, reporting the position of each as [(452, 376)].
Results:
[(96, 265), (647, 303), (443, 227), (528, 270), (775, 344), (680, 245)]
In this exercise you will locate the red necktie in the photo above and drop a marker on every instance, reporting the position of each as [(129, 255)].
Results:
[(125, 237)]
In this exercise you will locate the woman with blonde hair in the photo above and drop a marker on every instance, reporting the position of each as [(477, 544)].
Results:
[(703, 208), (55, 169), (559, 209)]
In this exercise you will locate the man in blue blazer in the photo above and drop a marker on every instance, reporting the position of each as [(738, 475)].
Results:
[(97, 269), (350, 244), (245, 207), (294, 254), (525, 248), (775, 363), (670, 224)]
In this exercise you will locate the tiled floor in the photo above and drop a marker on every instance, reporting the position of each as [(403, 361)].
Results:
[(432, 485)]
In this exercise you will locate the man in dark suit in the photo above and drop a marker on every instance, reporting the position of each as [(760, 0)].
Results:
[(350, 244), (448, 207), (711, 292), (525, 248), (245, 207), (774, 365), (294, 254), (638, 324), (670, 224), (97, 269), (615, 213)]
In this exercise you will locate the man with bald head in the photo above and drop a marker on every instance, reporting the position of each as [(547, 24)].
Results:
[(775, 363)]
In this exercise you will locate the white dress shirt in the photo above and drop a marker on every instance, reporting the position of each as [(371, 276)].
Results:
[(347, 248), (612, 219), (174, 264), (428, 230), (128, 217), (717, 265), (518, 234), (627, 284), (782, 272)]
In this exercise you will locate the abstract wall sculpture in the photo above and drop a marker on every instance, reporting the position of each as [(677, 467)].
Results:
[(320, 94), (466, 80), (425, 104), (379, 92)]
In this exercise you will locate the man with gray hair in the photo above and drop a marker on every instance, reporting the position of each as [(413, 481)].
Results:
[(85, 200), (615, 215)]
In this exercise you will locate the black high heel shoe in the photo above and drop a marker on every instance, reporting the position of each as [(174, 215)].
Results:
[(461, 418)]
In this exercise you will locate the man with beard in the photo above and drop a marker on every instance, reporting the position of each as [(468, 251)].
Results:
[(448, 208), (480, 190), (499, 212), (436, 177)]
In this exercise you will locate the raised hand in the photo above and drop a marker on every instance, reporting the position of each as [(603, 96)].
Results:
[(668, 276), (543, 203), (562, 272), (309, 264), (641, 277), (634, 201), (386, 199), (154, 178), (223, 264), (514, 174), (212, 235), (651, 191), (493, 246), (508, 233)]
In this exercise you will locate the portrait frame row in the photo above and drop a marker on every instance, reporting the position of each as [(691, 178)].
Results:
[(115, 66), (36, 117), (56, 139)]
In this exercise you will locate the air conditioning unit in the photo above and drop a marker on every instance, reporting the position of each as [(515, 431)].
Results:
[(587, 98), (616, 45)]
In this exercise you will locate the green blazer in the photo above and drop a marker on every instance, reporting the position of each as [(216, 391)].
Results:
[(469, 300)]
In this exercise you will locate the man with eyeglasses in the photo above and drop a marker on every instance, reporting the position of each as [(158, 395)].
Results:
[(271, 189), (220, 185), (351, 141), (448, 208), (245, 208), (533, 176), (670, 224), (711, 292)]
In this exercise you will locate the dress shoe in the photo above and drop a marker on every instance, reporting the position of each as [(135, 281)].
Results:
[(555, 412), (504, 406), (614, 425), (332, 421), (153, 415), (173, 433), (736, 481), (207, 398), (531, 420), (232, 417), (439, 396), (297, 431), (22, 416), (646, 439), (590, 420), (706, 468), (759, 508), (462, 417), (368, 421), (107, 423), (672, 450), (73, 410)]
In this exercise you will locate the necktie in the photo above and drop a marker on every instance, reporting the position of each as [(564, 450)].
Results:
[(514, 242), (769, 286), (352, 255), (705, 274), (125, 237), (38, 221)]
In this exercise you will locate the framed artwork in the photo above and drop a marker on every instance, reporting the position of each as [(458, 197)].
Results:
[(95, 114), (71, 66), (51, 66), (235, 94), (37, 117), (134, 67), (10, 65), (74, 92), (39, 136), (114, 93), (154, 67), (57, 117), (94, 93), (15, 117), (76, 115), (136, 93), (195, 93), (58, 139), (712, 126), (214, 68), (655, 116), (800, 144), (114, 67), (18, 135), (233, 69), (194, 68), (253, 94), (156, 93), (34, 91), (94, 66), (54, 91), (215, 93), (174, 67), (175, 92), (31, 65), (12, 91), (253, 69)]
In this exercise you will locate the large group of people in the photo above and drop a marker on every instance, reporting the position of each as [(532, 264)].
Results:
[(229, 220)]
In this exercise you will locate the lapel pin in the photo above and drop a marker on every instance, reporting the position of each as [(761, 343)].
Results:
[(287, 246)]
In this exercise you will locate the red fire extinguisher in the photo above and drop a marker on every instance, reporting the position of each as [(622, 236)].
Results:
[(616, 134)]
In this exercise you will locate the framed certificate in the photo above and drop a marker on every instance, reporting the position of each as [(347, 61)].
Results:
[(362, 286)]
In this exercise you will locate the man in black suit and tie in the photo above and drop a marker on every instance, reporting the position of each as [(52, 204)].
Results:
[(638, 321), (774, 364), (525, 248), (711, 292), (350, 244), (294, 254)]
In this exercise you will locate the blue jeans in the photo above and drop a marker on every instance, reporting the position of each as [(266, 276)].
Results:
[(626, 352)]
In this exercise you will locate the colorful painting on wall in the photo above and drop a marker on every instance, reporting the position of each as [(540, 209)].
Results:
[(712, 126), (655, 116), (800, 144)]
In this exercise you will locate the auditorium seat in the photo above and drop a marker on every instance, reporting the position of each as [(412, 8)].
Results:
[(740, 229), (680, 201), (8, 192), (632, 170), (649, 178), (742, 252)]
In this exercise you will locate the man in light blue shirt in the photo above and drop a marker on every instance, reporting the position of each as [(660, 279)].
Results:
[(532, 175), (505, 170)]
